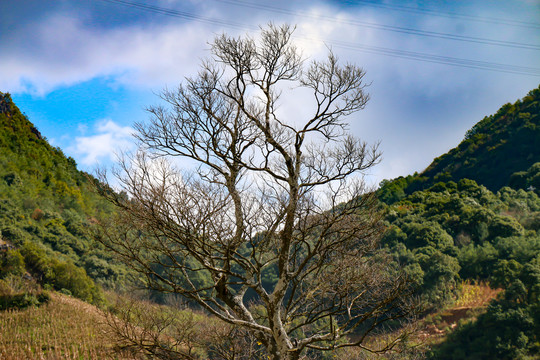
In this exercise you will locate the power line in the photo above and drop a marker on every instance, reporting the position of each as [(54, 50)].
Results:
[(476, 18), (447, 60), (179, 14), (397, 29), (417, 56)]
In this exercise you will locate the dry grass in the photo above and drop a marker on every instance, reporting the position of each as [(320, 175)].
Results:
[(472, 301), (68, 328), (475, 295), (65, 328)]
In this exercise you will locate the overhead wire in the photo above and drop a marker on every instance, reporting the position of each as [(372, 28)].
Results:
[(475, 18), (179, 14), (417, 56), (447, 60), (399, 29)]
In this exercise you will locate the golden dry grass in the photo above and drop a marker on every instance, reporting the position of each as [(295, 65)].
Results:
[(65, 328), (475, 295), (472, 300)]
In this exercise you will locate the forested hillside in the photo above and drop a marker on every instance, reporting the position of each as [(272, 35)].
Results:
[(46, 208), (499, 150), (456, 232), (473, 216)]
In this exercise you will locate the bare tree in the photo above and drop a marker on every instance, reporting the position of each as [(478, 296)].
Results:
[(273, 215)]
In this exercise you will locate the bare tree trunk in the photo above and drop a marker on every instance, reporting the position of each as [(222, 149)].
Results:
[(274, 209)]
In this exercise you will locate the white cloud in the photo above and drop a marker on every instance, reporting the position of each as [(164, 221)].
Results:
[(108, 139), (418, 109), (63, 51)]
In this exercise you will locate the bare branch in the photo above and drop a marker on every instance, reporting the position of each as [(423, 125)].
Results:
[(271, 232)]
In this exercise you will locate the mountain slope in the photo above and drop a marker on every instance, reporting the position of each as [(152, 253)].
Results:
[(47, 206), (493, 150), (447, 230), (496, 147)]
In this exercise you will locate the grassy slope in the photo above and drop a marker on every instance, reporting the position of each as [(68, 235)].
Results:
[(65, 328)]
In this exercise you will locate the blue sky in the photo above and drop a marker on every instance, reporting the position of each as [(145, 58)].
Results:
[(84, 71)]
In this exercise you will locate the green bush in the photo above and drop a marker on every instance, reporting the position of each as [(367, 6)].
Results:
[(11, 263), (61, 274), (24, 300)]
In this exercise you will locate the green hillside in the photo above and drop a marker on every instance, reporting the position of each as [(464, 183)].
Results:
[(497, 151), (455, 233), (46, 209), (473, 216), (453, 225)]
